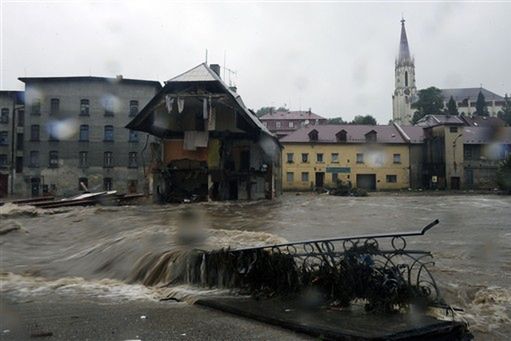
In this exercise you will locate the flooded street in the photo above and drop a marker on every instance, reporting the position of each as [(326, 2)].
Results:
[(96, 252)]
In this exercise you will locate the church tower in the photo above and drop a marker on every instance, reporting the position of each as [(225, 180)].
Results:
[(405, 91)]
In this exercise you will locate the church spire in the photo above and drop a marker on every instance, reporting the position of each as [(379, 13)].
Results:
[(404, 51)]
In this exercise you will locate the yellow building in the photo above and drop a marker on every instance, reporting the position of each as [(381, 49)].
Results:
[(370, 157)]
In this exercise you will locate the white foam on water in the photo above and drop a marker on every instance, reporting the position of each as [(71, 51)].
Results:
[(26, 287)]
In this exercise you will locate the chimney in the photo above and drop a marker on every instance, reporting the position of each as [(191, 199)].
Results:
[(119, 77), (310, 111), (215, 68)]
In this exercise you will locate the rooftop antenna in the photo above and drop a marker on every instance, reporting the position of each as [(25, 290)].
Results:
[(225, 53), (231, 73), (206, 58)]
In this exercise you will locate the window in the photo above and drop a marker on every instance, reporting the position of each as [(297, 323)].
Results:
[(36, 107), (453, 129), (19, 141), (21, 118), (84, 133), (467, 152), (277, 124), (396, 158), (109, 107), (107, 184), (109, 133), (53, 160), (4, 116), (19, 164), (52, 133), (133, 137), (313, 135), (133, 108), (54, 106), (335, 157), (290, 176), (305, 157), (34, 159), (3, 160), (371, 136), (83, 184), (84, 107), (290, 157), (132, 160), (34, 132), (334, 178), (341, 136), (83, 159), (406, 78), (305, 176), (392, 178), (291, 124), (319, 157), (107, 159), (360, 158), (4, 138)]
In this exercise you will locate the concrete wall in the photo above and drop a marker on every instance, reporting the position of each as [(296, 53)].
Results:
[(378, 160), (64, 179)]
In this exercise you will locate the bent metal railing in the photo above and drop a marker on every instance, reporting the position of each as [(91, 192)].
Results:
[(375, 268)]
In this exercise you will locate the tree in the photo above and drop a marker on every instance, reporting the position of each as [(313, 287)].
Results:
[(430, 102), (336, 120), (266, 110), (504, 175), (505, 114), (481, 109), (365, 120), (452, 109)]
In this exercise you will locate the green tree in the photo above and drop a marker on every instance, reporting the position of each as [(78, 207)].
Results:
[(336, 120), (504, 175), (481, 108), (266, 110), (452, 109), (430, 102), (505, 114), (365, 120)]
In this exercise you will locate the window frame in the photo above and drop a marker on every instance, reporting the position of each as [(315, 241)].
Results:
[(54, 106), (336, 159), (108, 159), (396, 158), (84, 107), (305, 157), (290, 157), (106, 138), (305, 177), (290, 177), (4, 116), (132, 161), (53, 159), (360, 158), (320, 158), (391, 178)]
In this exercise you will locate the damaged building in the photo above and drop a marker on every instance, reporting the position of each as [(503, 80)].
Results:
[(210, 145)]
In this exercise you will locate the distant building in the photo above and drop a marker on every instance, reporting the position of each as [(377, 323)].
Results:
[(282, 123), (211, 146), (405, 91), (370, 157), (466, 99), (11, 139), (74, 135)]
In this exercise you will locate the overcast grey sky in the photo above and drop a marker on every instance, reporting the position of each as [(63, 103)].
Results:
[(336, 58)]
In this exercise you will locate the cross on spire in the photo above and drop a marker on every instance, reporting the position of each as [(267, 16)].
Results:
[(404, 50)]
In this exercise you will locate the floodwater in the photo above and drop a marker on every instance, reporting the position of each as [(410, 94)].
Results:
[(97, 251)]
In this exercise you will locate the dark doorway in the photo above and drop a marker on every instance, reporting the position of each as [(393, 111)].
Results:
[(366, 181), (455, 182), (4, 181), (35, 184), (233, 190), (245, 160), (320, 179), (469, 178)]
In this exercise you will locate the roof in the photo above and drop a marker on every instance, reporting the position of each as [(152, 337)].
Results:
[(404, 57), (354, 134), (291, 115), (19, 95), (484, 121), (486, 135), (90, 78), (413, 134), (436, 120), (460, 94), (202, 73)]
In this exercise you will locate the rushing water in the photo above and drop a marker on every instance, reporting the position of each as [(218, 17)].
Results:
[(98, 251)]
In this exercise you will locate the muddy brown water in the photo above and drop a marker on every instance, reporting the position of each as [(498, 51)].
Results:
[(94, 251)]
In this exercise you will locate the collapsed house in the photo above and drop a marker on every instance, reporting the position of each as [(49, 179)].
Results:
[(210, 146)]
